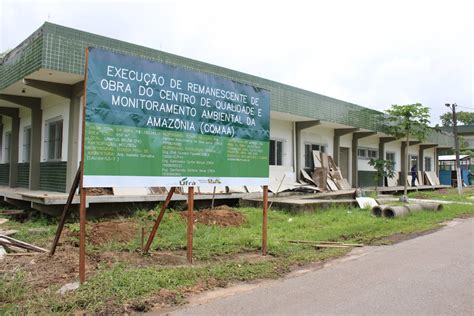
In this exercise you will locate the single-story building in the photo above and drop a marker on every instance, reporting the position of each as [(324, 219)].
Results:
[(41, 87)]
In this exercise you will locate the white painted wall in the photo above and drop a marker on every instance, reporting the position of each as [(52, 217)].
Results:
[(55, 107), (371, 142), (346, 141), (25, 121), (395, 147)]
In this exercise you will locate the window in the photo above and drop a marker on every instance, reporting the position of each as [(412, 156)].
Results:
[(54, 139), (372, 153), (390, 157), (308, 153), (276, 152), (8, 142), (26, 143), (367, 153), (427, 163)]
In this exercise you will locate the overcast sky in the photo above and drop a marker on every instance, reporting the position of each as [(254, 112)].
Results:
[(372, 53)]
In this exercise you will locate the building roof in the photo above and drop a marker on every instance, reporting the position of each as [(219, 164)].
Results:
[(62, 49)]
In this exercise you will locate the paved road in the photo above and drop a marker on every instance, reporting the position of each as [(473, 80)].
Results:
[(428, 275)]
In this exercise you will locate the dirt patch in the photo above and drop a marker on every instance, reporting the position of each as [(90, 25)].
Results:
[(221, 216), (99, 191), (104, 232)]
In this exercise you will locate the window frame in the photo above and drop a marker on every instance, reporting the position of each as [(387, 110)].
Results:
[(8, 145), (365, 153), (425, 164), (58, 139), (26, 149), (276, 141)]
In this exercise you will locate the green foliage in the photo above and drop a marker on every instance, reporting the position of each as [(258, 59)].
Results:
[(12, 287), (383, 168), (465, 118), (220, 254), (410, 119)]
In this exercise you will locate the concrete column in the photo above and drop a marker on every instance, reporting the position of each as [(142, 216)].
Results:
[(1, 138), (338, 133), (35, 150), (355, 165), (421, 159), (355, 168), (73, 140), (403, 164), (299, 126), (14, 151)]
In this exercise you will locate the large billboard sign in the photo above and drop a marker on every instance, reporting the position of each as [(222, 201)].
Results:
[(153, 124)]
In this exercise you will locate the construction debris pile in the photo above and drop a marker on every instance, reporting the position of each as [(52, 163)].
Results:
[(12, 247), (326, 175)]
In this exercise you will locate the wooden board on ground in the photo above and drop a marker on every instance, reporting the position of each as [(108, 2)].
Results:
[(237, 189), (3, 220), (366, 202), (254, 189), (434, 178)]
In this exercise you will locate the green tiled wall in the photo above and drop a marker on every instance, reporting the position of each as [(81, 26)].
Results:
[(24, 175), (63, 49), (53, 176), (4, 174), (366, 179)]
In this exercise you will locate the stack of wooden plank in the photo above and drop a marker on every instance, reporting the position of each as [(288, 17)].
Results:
[(326, 175), (431, 178)]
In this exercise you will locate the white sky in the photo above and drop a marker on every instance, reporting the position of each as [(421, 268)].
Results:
[(372, 53)]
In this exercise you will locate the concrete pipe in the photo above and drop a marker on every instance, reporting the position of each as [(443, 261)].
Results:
[(395, 211), (378, 209), (432, 206), (412, 208)]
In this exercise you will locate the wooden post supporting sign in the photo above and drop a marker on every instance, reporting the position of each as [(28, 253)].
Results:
[(189, 248), (265, 220)]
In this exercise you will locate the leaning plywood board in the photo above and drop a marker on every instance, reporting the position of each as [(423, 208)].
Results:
[(428, 180), (307, 178), (332, 185), (316, 158), (434, 177), (345, 185), (421, 177), (324, 160), (393, 182)]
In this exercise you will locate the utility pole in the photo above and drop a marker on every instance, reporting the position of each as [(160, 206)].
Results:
[(456, 145)]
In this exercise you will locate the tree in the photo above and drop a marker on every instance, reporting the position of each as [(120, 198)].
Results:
[(466, 118), (406, 121), (383, 168)]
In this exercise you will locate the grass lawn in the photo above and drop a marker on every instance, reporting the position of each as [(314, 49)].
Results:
[(450, 194), (223, 255)]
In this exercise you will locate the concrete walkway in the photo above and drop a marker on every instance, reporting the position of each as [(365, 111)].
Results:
[(428, 275)]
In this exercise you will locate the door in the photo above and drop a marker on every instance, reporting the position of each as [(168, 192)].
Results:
[(344, 161)]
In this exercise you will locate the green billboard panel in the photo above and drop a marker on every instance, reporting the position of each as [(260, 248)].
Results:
[(153, 124)]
